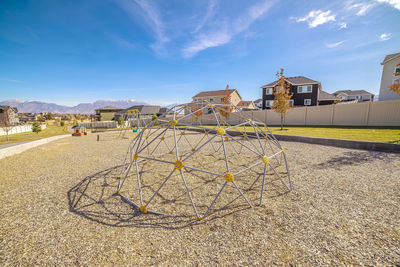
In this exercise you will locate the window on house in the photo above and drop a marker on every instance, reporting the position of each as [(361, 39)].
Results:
[(396, 71), (222, 99), (268, 91), (211, 99), (307, 102), (304, 89), (343, 97), (358, 97), (269, 103), (291, 102)]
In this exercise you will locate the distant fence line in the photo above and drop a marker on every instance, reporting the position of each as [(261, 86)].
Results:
[(18, 129), (381, 113)]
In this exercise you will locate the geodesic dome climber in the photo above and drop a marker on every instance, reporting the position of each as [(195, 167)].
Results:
[(208, 157), (131, 118)]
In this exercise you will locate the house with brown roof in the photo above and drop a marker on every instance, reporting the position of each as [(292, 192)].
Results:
[(354, 95), (390, 75), (218, 96), (306, 92), (246, 105)]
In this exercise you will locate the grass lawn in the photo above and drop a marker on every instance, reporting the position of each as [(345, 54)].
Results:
[(30, 136), (375, 134)]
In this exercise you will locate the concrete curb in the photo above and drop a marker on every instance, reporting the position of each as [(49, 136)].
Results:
[(364, 145), (9, 151)]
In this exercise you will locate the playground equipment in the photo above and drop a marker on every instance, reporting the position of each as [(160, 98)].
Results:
[(223, 156), (131, 118), (79, 130)]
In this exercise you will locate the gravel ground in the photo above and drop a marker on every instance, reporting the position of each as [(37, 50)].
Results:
[(58, 207)]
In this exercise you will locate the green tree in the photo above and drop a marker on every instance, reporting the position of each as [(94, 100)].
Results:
[(154, 117), (49, 116), (120, 120), (282, 96), (62, 123), (36, 127)]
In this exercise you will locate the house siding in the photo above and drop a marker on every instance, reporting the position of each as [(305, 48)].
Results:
[(297, 97)]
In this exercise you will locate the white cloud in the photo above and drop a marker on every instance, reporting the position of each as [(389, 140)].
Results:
[(317, 17), (209, 13), (152, 17), (394, 3), (11, 81), (226, 32), (385, 36), (333, 45), (362, 8), (342, 25)]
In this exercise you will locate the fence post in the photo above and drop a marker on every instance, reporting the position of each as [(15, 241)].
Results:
[(367, 114), (333, 113)]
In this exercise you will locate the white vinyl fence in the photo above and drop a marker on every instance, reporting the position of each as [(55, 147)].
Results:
[(18, 129), (381, 113)]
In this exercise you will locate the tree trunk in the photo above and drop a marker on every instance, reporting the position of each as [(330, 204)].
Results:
[(281, 121)]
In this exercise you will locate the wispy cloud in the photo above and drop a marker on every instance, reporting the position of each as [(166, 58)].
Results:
[(361, 8), (385, 36), (342, 25), (209, 13), (122, 42), (394, 3), (152, 17), (226, 31), (11, 81), (333, 45), (317, 17)]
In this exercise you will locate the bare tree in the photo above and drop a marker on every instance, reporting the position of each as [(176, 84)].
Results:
[(5, 122)]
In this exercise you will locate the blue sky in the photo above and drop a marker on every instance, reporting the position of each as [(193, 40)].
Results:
[(162, 52)]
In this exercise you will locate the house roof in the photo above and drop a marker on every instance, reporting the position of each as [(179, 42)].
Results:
[(258, 101), (294, 81), (390, 57), (110, 108), (353, 92), (326, 96), (215, 93), (245, 103), (145, 109)]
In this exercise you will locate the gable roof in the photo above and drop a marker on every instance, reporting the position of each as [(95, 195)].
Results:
[(326, 96), (353, 92), (216, 93), (109, 108), (245, 103), (296, 80), (258, 101), (145, 109), (390, 57)]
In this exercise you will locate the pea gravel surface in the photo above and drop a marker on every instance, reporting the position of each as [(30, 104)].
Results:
[(59, 207)]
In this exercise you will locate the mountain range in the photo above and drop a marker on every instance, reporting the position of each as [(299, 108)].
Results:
[(82, 108)]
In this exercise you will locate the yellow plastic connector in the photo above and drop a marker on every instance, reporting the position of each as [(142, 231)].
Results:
[(208, 105), (143, 209), (193, 149), (185, 107), (266, 137), (118, 192), (213, 106), (206, 133), (220, 131), (226, 138), (144, 128), (196, 118), (162, 138), (223, 122), (173, 123), (171, 153), (182, 133), (136, 156), (199, 218), (245, 135), (229, 177), (178, 165), (265, 159), (283, 150)]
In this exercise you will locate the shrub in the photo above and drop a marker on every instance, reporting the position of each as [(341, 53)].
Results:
[(36, 127)]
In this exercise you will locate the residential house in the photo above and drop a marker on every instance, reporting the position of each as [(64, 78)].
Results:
[(145, 111), (218, 96), (8, 116), (351, 95), (246, 105), (107, 113), (258, 103), (325, 98), (306, 92), (390, 75)]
